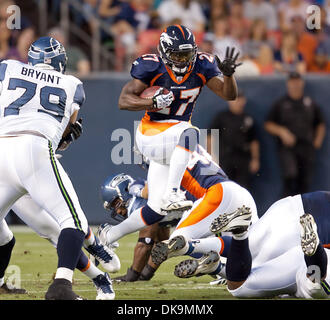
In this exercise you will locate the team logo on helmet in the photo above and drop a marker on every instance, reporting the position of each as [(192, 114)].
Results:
[(164, 37)]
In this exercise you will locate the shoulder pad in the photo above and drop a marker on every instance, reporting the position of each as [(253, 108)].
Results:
[(206, 64), (146, 67), (3, 68)]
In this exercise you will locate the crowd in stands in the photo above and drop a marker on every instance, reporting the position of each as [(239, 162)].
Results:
[(271, 35)]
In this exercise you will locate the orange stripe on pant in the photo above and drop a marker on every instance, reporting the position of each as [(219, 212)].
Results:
[(87, 267), (222, 245), (210, 202), (152, 128)]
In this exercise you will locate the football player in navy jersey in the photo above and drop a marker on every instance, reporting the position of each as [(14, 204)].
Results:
[(165, 134)]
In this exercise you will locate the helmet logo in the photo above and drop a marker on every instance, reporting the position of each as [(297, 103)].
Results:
[(165, 37)]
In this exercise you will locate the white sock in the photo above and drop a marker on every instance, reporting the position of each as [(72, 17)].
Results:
[(2, 281), (207, 244), (90, 239), (64, 273), (133, 223), (91, 271), (242, 236), (178, 165)]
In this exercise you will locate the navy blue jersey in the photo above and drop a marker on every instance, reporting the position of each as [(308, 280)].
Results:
[(201, 174), (151, 70), (318, 205)]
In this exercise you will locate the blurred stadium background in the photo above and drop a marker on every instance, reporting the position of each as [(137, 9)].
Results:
[(103, 37)]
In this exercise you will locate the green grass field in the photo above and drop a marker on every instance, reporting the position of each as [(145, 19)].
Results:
[(37, 260)]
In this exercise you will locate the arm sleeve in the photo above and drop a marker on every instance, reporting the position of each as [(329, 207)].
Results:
[(273, 114), (145, 69), (79, 97), (210, 69), (3, 68), (136, 187), (319, 118)]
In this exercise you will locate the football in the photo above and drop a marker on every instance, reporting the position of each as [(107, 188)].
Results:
[(150, 92)]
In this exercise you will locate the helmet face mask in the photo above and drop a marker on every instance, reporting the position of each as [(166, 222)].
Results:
[(116, 197), (178, 49)]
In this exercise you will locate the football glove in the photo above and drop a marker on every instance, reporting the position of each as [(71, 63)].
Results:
[(75, 132), (161, 100), (228, 65)]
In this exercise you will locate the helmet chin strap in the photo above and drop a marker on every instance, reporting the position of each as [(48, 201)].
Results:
[(180, 72)]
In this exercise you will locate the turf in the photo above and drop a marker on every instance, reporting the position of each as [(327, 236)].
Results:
[(36, 259)]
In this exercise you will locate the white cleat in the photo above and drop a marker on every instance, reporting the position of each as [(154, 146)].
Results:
[(105, 255), (219, 281), (237, 222), (176, 200), (308, 234), (102, 231), (104, 287), (208, 263)]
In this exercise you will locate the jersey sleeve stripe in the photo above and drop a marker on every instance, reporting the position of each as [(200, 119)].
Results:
[(63, 190), (79, 96), (3, 68), (202, 77), (154, 79)]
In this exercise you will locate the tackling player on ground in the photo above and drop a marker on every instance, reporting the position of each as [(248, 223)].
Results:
[(285, 252), (165, 135)]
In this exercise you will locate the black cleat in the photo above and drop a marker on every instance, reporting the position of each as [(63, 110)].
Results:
[(61, 289), (166, 249), (4, 289), (197, 267), (130, 276)]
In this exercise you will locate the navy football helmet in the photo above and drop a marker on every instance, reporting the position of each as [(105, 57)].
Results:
[(115, 194), (178, 49), (47, 50)]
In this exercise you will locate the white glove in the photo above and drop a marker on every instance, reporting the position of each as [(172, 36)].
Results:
[(160, 100)]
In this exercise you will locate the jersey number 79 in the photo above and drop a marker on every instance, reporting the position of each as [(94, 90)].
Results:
[(55, 110)]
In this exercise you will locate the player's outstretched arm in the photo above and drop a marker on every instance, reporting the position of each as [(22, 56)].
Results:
[(129, 98), (226, 88)]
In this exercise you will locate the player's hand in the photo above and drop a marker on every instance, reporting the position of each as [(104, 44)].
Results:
[(76, 129), (287, 137), (161, 100), (228, 65)]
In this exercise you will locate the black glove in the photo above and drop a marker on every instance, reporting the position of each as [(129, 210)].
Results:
[(76, 129), (75, 132), (228, 65)]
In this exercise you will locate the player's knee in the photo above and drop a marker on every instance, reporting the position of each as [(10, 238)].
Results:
[(151, 214), (5, 234), (189, 139), (80, 223), (49, 232), (238, 291), (146, 241)]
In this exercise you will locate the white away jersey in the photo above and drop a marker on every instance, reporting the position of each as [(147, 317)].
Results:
[(37, 99)]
